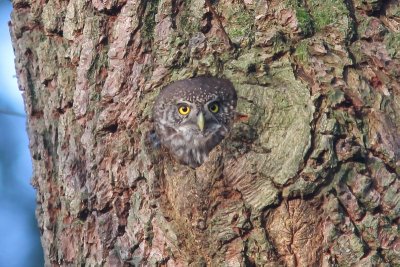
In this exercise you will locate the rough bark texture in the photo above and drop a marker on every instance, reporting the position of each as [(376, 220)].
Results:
[(310, 179)]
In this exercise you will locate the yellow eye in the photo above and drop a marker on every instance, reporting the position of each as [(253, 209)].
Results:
[(184, 110), (213, 107)]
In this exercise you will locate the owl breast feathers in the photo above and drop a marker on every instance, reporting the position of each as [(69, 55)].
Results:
[(192, 116)]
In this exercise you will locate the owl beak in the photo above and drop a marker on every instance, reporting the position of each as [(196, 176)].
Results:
[(200, 121)]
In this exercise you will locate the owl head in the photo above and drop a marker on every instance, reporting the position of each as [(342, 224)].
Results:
[(192, 116)]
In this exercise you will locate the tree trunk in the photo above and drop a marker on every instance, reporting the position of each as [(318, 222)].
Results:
[(310, 178)]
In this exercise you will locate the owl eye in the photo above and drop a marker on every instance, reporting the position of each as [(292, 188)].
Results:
[(184, 110), (214, 107)]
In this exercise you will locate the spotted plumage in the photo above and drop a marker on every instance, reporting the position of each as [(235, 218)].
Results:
[(192, 116)]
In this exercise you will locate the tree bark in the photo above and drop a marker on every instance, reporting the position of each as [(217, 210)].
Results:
[(310, 178)]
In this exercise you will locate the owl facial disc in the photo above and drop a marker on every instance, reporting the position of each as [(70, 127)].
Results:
[(192, 116)]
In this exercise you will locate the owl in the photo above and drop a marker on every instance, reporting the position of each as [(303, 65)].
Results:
[(192, 116)]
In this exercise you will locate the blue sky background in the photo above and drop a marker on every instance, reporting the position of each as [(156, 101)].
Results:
[(19, 236)]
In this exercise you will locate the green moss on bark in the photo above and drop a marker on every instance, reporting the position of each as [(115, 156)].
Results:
[(392, 42), (149, 21), (305, 21)]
